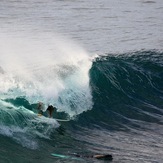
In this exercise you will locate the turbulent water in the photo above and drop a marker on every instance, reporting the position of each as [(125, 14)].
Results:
[(99, 63)]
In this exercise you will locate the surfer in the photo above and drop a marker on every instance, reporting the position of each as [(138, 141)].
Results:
[(97, 156), (75, 156), (103, 156), (40, 109), (50, 110)]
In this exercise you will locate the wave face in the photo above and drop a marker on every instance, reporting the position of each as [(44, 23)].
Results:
[(124, 90), (119, 104), (127, 89)]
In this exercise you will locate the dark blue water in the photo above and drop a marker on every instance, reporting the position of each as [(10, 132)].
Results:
[(127, 88), (100, 63)]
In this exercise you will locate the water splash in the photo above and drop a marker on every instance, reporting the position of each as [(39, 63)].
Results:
[(51, 69)]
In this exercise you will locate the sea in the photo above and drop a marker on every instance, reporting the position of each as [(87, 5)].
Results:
[(99, 62)]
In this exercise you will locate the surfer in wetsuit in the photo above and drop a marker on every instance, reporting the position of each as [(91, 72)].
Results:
[(97, 156), (50, 110), (40, 109), (103, 157), (75, 156)]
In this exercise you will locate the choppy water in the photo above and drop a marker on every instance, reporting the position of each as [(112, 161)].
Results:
[(99, 62)]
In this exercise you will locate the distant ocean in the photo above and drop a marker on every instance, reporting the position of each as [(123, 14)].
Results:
[(100, 63)]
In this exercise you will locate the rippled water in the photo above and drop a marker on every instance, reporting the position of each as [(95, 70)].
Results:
[(99, 26)]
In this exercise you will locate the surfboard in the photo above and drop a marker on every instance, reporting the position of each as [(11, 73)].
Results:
[(62, 120), (59, 120), (66, 157)]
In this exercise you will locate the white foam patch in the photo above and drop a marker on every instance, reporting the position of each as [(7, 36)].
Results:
[(6, 104), (19, 135), (24, 126), (43, 126)]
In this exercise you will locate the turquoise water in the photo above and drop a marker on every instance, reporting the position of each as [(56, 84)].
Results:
[(100, 63)]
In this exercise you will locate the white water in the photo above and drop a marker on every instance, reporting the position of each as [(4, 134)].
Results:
[(24, 126), (53, 70)]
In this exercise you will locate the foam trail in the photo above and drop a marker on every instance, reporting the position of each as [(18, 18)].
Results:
[(24, 126), (51, 69)]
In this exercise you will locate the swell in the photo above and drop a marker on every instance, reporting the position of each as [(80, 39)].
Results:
[(127, 90)]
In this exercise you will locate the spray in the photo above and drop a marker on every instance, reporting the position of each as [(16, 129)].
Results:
[(51, 69)]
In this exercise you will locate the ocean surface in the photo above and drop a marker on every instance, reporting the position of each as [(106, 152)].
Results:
[(100, 63)]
